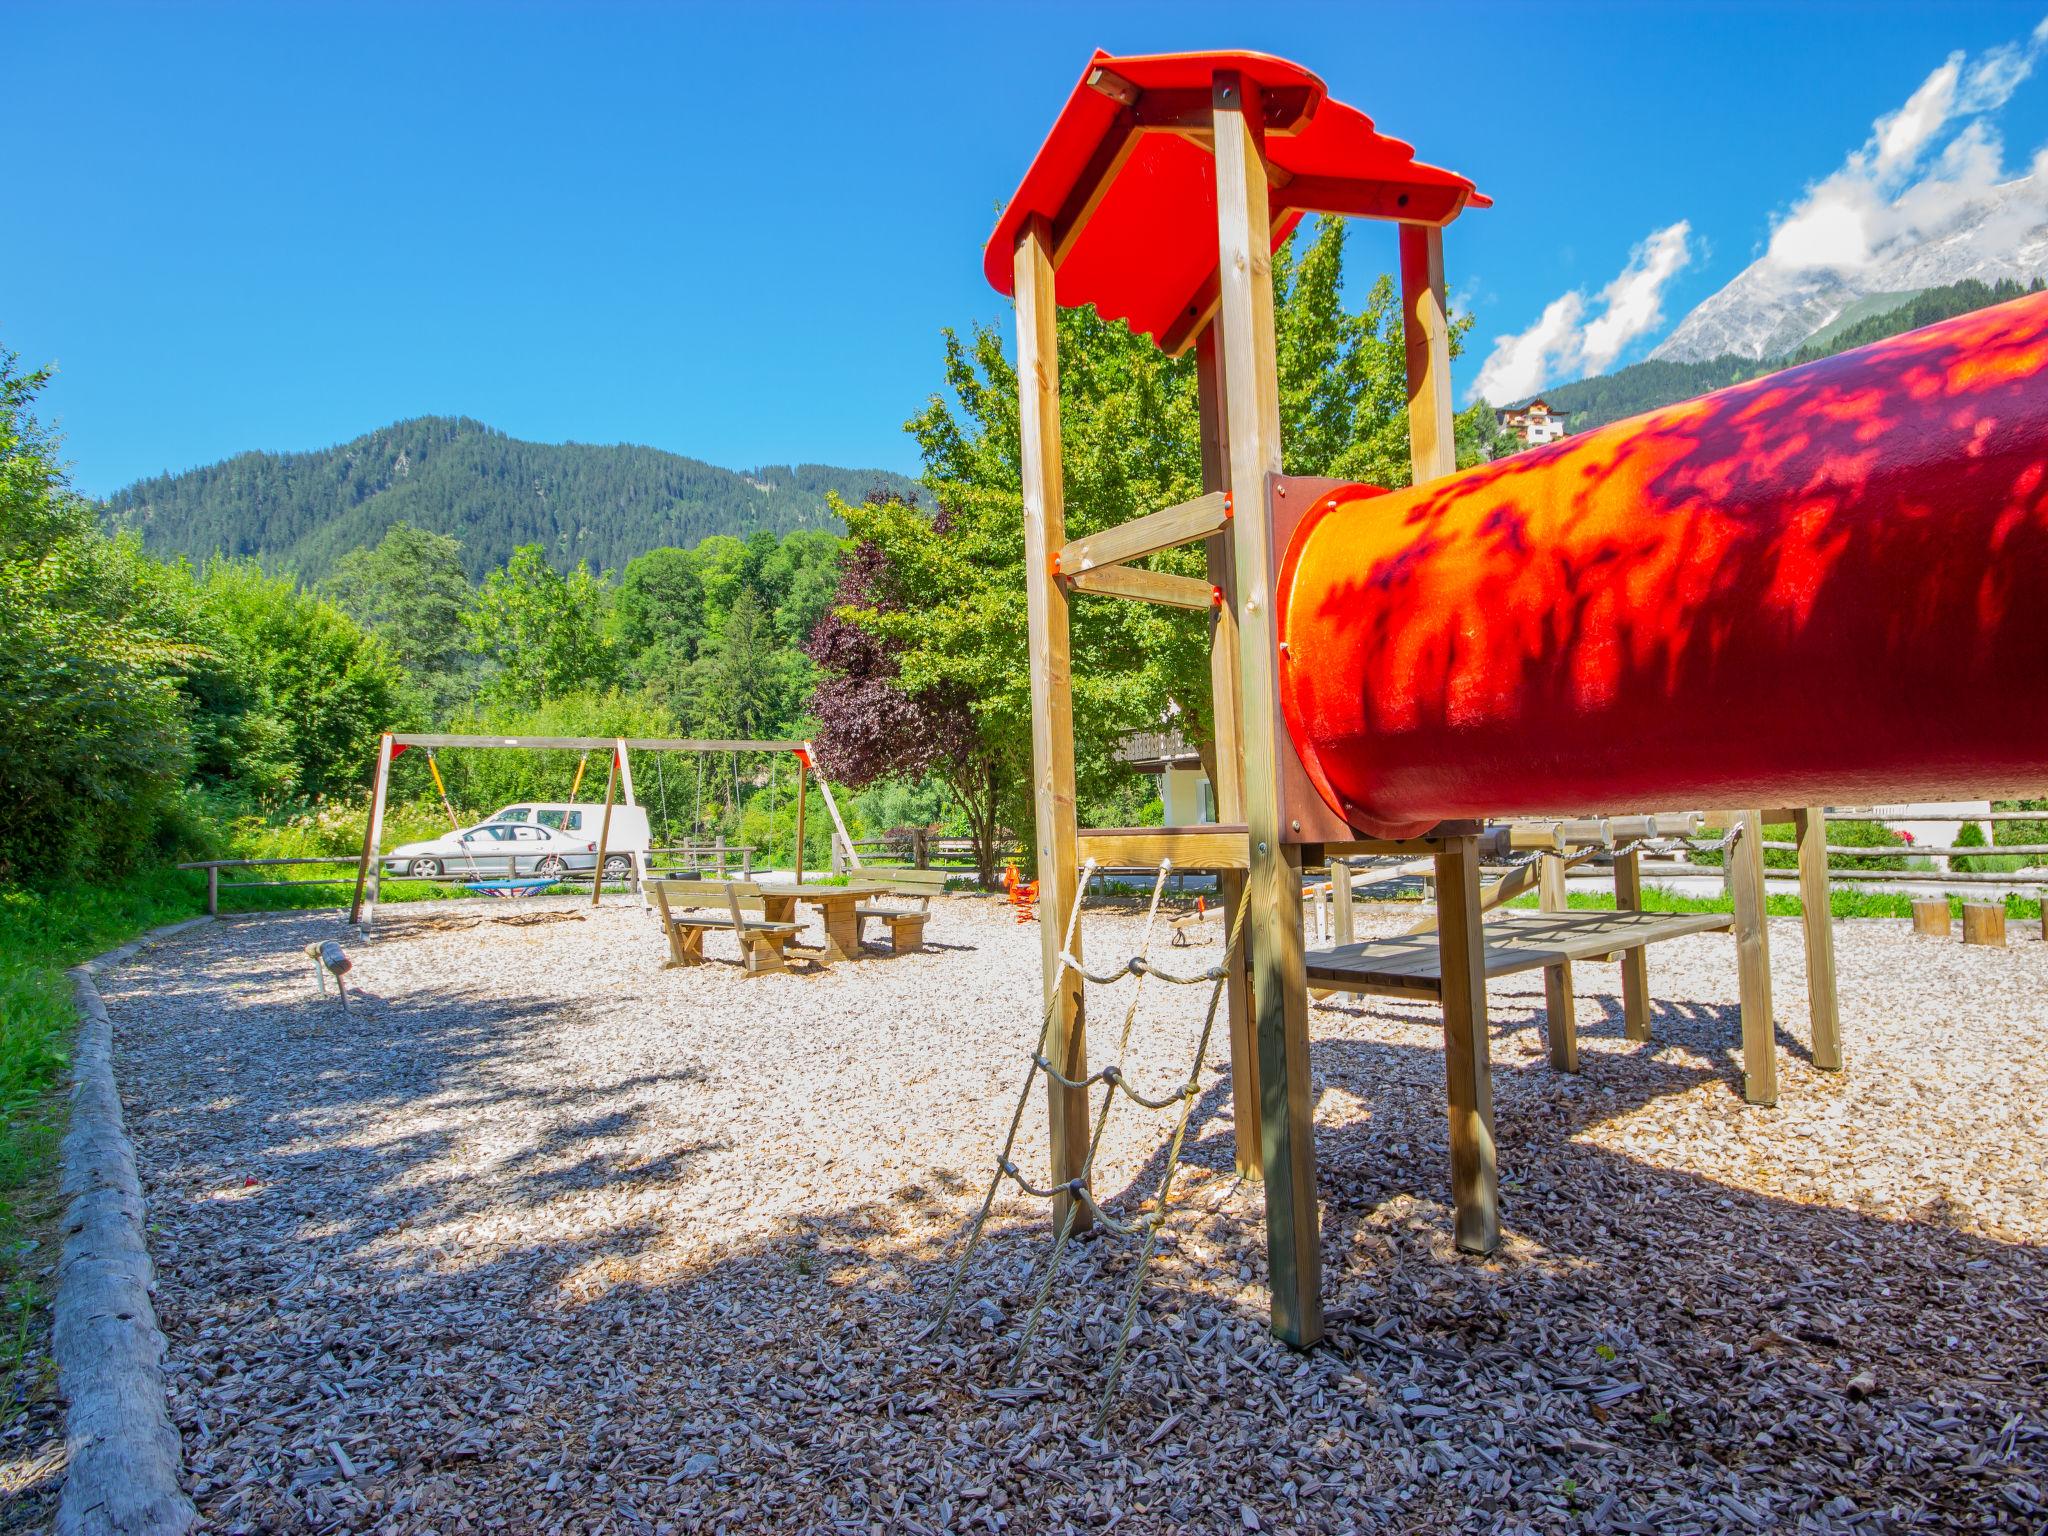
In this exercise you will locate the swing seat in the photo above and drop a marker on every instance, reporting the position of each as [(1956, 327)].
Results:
[(525, 885)]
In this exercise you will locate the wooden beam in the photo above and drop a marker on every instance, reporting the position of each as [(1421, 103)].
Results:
[(1635, 963), (1561, 1009), (1093, 184), (1226, 708), (1251, 397), (1165, 529), (1205, 847), (1822, 1004), (1052, 715), (1146, 586), (1468, 1071), (367, 873), (638, 855), (1416, 207), (1753, 961), (593, 743), (1426, 340)]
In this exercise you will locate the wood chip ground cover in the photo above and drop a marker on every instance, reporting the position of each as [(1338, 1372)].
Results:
[(545, 1237)]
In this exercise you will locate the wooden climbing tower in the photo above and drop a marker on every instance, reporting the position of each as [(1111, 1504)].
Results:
[(1159, 197)]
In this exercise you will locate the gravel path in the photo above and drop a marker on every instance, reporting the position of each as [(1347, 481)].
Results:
[(546, 1237)]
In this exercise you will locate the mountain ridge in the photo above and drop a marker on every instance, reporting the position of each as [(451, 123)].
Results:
[(301, 511), (1768, 309)]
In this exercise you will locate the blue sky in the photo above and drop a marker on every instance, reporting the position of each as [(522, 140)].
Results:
[(735, 232)]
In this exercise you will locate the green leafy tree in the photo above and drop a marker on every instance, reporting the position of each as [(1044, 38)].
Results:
[(544, 632), (747, 684), (91, 654), (292, 694), (410, 590)]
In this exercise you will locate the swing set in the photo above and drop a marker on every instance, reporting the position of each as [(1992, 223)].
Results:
[(618, 786)]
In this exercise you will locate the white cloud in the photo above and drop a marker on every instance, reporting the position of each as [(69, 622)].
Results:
[(1563, 341), (1896, 187)]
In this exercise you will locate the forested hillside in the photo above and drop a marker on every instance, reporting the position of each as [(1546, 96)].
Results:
[(447, 474), (1661, 381)]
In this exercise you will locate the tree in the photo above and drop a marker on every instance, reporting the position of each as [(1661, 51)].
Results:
[(545, 632), (410, 590), (868, 727), (746, 684), (292, 694), (90, 658)]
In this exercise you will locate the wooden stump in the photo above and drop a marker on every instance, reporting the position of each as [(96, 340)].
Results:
[(1930, 916), (1984, 923)]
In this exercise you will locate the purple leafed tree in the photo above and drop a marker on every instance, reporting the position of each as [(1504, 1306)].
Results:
[(870, 728)]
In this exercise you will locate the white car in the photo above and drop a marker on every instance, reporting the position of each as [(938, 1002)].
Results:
[(499, 848)]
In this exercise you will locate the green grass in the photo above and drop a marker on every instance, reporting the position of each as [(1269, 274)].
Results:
[(41, 934), (1843, 904)]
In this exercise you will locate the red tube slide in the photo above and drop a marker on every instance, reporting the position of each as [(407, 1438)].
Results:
[(1830, 584)]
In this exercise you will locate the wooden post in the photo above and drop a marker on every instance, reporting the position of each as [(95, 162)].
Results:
[(363, 911), (1984, 923), (1931, 916), (1426, 339), (1635, 963), (1228, 787), (1279, 1002), (639, 855), (1817, 909), (1052, 718), (1468, 1070), (800, 767), (604, 829), (1753, 961), (213, 890), (1343, 920), (1560, 1008)]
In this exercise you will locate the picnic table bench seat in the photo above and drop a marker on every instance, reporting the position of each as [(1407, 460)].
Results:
[(692, 908), (905, 922)]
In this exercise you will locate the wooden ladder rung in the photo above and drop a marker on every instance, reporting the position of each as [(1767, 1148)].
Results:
[(1182, 523)]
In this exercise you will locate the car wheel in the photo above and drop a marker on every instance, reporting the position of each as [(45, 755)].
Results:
[(617, 866), (423, 869), (550, 866)]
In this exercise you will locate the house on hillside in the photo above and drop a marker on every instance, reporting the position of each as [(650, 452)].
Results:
[(1534, 423), (1184, 790)]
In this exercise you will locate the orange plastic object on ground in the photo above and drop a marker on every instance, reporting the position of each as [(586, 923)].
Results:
[(1146, 253), (1830, 584)]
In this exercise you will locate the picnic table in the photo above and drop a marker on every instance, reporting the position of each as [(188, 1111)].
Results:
[(835, 904)]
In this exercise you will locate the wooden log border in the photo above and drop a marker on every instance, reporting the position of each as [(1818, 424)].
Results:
[(122, 1457)]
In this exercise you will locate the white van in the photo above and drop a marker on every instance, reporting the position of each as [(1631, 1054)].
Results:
[(629, 831)]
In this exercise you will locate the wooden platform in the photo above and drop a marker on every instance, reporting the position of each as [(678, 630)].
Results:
[(1515, 941)]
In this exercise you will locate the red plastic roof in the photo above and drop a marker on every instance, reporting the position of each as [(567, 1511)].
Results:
[(1147, 254)]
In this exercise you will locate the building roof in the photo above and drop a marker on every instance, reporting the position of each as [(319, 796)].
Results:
[(1129, 187)]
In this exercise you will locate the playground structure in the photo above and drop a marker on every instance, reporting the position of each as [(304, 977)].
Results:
[(1807, 586), (618, 789)]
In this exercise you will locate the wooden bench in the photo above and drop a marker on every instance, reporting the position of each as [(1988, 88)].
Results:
[(906, 923), (764, 945)]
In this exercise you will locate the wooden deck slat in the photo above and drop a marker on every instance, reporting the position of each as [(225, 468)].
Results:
[(1407, 966)]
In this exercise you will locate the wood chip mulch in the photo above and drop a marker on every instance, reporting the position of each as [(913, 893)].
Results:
[(545, 1237)]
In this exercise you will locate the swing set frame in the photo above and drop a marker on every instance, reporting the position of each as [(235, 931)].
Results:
[(369, 870)]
